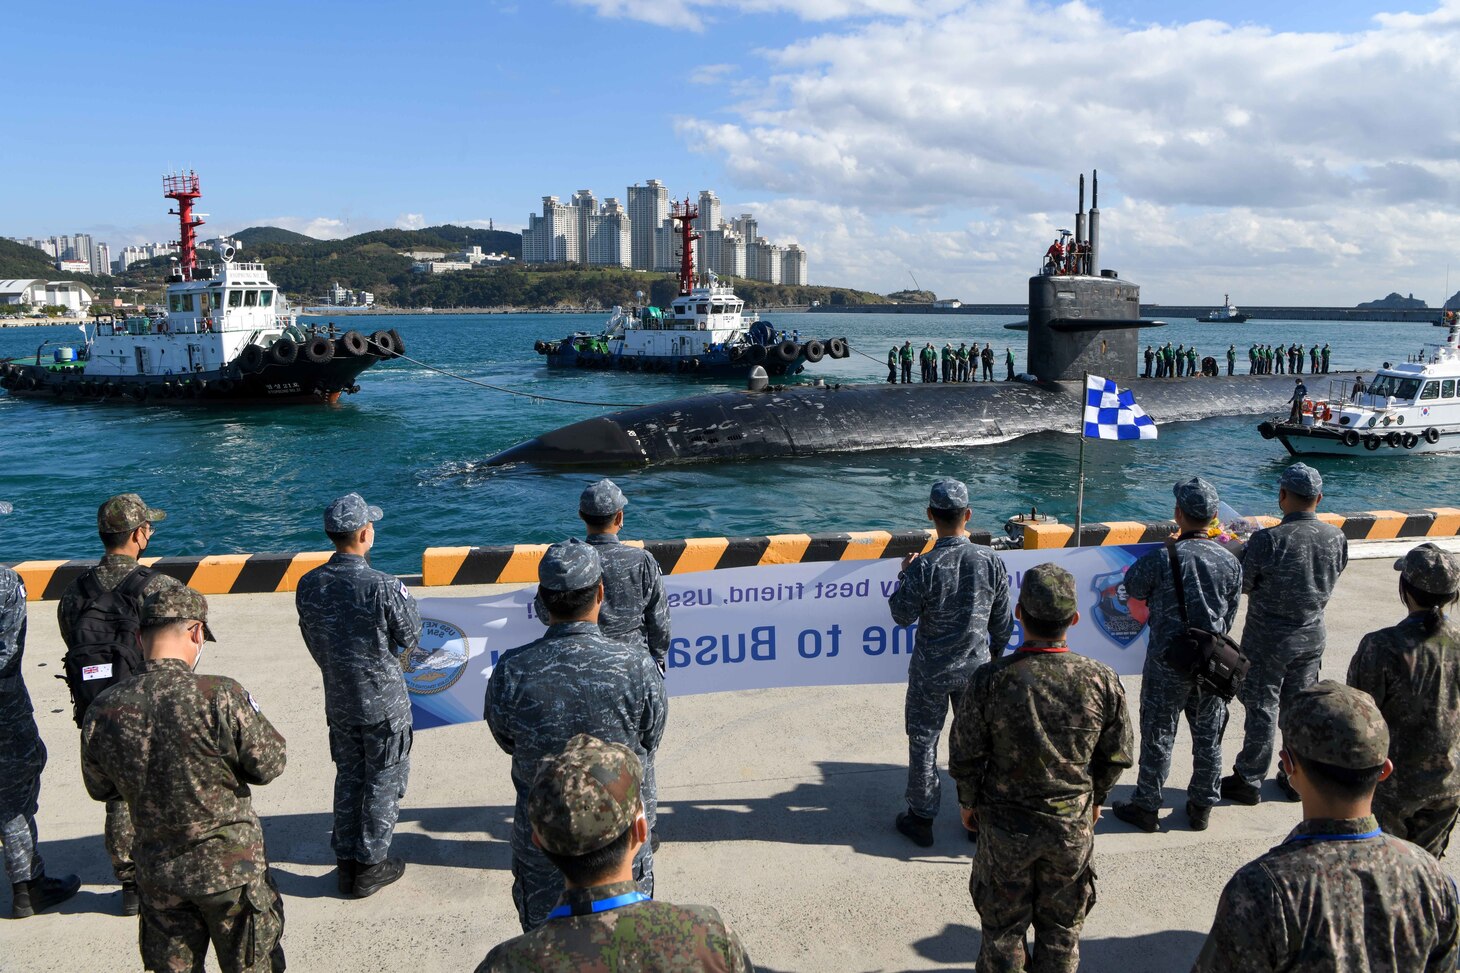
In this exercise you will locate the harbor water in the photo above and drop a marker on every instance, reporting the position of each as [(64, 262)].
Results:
[(255, 479)]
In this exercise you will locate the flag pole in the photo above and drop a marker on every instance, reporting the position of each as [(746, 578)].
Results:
[(1080, 497)]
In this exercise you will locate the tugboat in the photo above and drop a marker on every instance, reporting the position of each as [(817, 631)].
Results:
[(705, 332), (1226, 314), (1410, 407), (224, 335)]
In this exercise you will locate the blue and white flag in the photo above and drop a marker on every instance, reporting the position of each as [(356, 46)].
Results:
[(1112, 413)]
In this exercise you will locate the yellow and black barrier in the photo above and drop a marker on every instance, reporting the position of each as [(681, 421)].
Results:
[(214, 574), (515, 564), (1370, 525)]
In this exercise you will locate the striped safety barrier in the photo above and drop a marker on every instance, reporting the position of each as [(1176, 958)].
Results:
[(517, 564), (1370, 525), (215, 574)]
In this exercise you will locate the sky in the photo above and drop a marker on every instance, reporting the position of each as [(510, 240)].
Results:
[(1293, 153)]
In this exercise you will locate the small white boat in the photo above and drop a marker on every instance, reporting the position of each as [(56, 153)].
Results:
[(1226, 314)]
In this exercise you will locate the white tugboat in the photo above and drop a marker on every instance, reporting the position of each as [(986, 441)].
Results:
[(1226, 314), (1413, 407), (706, 331), (224, 335)]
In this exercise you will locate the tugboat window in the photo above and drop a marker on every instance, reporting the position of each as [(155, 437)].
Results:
[(250, 298), (1448, 392), (235, 298), (266, 298), (1392, 385), (215, 299), (1432, 391)]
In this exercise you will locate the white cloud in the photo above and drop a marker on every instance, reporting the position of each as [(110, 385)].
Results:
[(410, 221), (319, 227), (694, 14)]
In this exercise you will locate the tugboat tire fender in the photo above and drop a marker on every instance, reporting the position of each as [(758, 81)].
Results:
[(1410, 440), (1371, 441), (540, 346), (319, 350), (225, 385), (1432, 435), (787, 351), (1392, 439), (1351, 438), (251, 359), (1266, 430), (284, 351), (757, 354), (815, 351), (383, 343), (400, 343), (353, 343), (837, 348)]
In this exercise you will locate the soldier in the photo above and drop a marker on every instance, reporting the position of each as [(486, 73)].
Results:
[(572, 680), (1181, 361), (93, 625), (353, 618), (1009, 363), (959, 597), (1212, 580), (1252, 360), (1413, 672), (1313, 359), (892, 365), (1231, 360), (1288, 574), (1338, 894), (929, 357), (181, 750), (22, 758), (988, 362), (962, 355), (588, 819), (1150, 357), (1191, 361), (947, 362), (1039, 739), (906, 358)]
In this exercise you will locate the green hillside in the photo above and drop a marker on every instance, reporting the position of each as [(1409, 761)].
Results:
[(270, 234), (20, 262)]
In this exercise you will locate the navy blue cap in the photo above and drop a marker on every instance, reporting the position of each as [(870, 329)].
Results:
[(1302, 479), (569, 566), (602, 499), (948, 495), (349, 513), (1197, 498)]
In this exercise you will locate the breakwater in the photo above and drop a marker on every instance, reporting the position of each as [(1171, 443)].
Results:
[(1166, 312)]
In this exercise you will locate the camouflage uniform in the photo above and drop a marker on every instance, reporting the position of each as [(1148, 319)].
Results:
[(353, 617), (22, 754), (1414, 677), (181, 750), (1337, 894), (1288, 573), (1213, 582), (1041, 736), (581, 801), (958, 594), (572, 680)]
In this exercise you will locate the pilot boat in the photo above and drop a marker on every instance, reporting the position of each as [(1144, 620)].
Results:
[(1226, 314)]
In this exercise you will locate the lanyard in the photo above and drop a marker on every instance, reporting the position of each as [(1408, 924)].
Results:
[(602, 905), (1336, 837)]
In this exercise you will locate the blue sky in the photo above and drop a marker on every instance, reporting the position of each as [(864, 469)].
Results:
[(1298, 150)]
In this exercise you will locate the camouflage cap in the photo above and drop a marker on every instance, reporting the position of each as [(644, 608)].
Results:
[(948, 495), (602, 499), (126, 512), (569, 566), (1431, 570), (585, 797), (1047, 594), (1336, 724), (175, 603), (1197, 498), (349, 513), (1301, 479)]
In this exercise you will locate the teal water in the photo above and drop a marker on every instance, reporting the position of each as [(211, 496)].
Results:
[(256, 480)]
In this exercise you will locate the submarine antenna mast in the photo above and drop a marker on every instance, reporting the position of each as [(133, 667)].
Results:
[(685, 214), (183, 187), (1094, 224)]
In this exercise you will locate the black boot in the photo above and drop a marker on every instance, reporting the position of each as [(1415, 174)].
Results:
[(1237, 790), (345, 874), (1198, 815), (370, 879), (1138, 816), (916, 827), (40, 893), (131, 903)]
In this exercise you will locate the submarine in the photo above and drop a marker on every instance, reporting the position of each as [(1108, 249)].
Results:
[(1081, 321)]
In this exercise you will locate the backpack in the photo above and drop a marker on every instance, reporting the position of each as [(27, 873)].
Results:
[(1214, 659), (106, 645)]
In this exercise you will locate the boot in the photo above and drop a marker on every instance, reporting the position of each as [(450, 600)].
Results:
[(40, 893), (1138, 816), (370, 879), (345, 874), (131, 903), (916, 827), (1198, 815), (1238, 791)]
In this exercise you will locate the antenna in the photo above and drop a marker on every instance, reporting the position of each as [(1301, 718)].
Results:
[(184, 188)]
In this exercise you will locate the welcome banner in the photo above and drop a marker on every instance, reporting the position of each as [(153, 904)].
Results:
[(817, 624)]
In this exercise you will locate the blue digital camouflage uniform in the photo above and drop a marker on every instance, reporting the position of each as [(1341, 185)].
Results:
[(634, 608), (958, 594), (1288, 573), (572, 680), (22, 754), (353, 617), (1213, 582)]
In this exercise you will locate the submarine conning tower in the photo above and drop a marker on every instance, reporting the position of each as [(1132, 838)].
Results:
[(1081, 320)]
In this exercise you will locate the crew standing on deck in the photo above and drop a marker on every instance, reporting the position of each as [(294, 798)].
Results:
[(906, 358), (988, 362), (1039, 739), (1212, 582), (1323, 357), (1150, 357), (1009, 361), (1180, 361), (929, 357), (1288, 574), (1252, 359), (962, 355), (892, 365), (1413, 672), (1300, 393), (353, 618), (947, 362), (974, 358), (1231, 360), (958, 593), (22, 758)]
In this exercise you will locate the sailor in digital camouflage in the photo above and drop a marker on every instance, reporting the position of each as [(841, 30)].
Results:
[(181, 750), (1039, 739), (1212, 579), (355, 620), (958, 595), (22, 758), (125, 525), (1288, 574), (572, 680), (588, 819), (1413, 672), (1338, 894)]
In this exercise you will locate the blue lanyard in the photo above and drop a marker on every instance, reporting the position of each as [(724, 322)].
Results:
[(1336, 837), (602, 905)]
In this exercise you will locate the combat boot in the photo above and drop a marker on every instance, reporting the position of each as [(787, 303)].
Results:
[(40, 893), (1238, 791), (370, 879), (131, 902), (345, 874), (1138, 816), (916, 827), (1198, 815)]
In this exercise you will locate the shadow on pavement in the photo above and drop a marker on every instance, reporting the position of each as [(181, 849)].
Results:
[(1156, 952)]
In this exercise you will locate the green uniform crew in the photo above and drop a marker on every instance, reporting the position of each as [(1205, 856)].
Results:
[(1231, 359), (1338, 894), (928, 358), (182, 750), (1323, 358), (1413, 672), (1191, 361), (587, 816), (1009, 361), (1039, 739), (947, 362), (962, 356), (892, 365), (905, 356)]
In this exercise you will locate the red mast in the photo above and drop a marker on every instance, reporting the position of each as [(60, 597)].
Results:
[(184, 189), (685, 214)]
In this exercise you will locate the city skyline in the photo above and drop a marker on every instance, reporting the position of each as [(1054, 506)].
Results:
[(1295, 154)]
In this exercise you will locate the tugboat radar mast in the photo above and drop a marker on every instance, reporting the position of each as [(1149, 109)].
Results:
[(685, 214), (183, 187)]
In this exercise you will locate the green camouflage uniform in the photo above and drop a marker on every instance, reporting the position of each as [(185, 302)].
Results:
[(22, 754)]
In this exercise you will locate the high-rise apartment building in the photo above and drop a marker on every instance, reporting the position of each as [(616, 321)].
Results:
[(585, 207), (609, 240), (793, 266), (80, 248), (763, 261), (746, 226), (707, 222), (648, 208), (551, 237), (101, 259)]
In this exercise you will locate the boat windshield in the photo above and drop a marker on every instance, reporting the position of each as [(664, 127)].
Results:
[(1393, 386)]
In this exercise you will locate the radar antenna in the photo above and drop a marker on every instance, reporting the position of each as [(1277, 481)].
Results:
[(183, 187)]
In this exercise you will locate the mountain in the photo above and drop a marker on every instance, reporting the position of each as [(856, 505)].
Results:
[(270, 234), (20, 262), (913, 297), (1395, 301), (1453, 304)]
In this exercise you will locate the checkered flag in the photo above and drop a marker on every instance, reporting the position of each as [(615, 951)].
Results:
[(1112, 413)]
